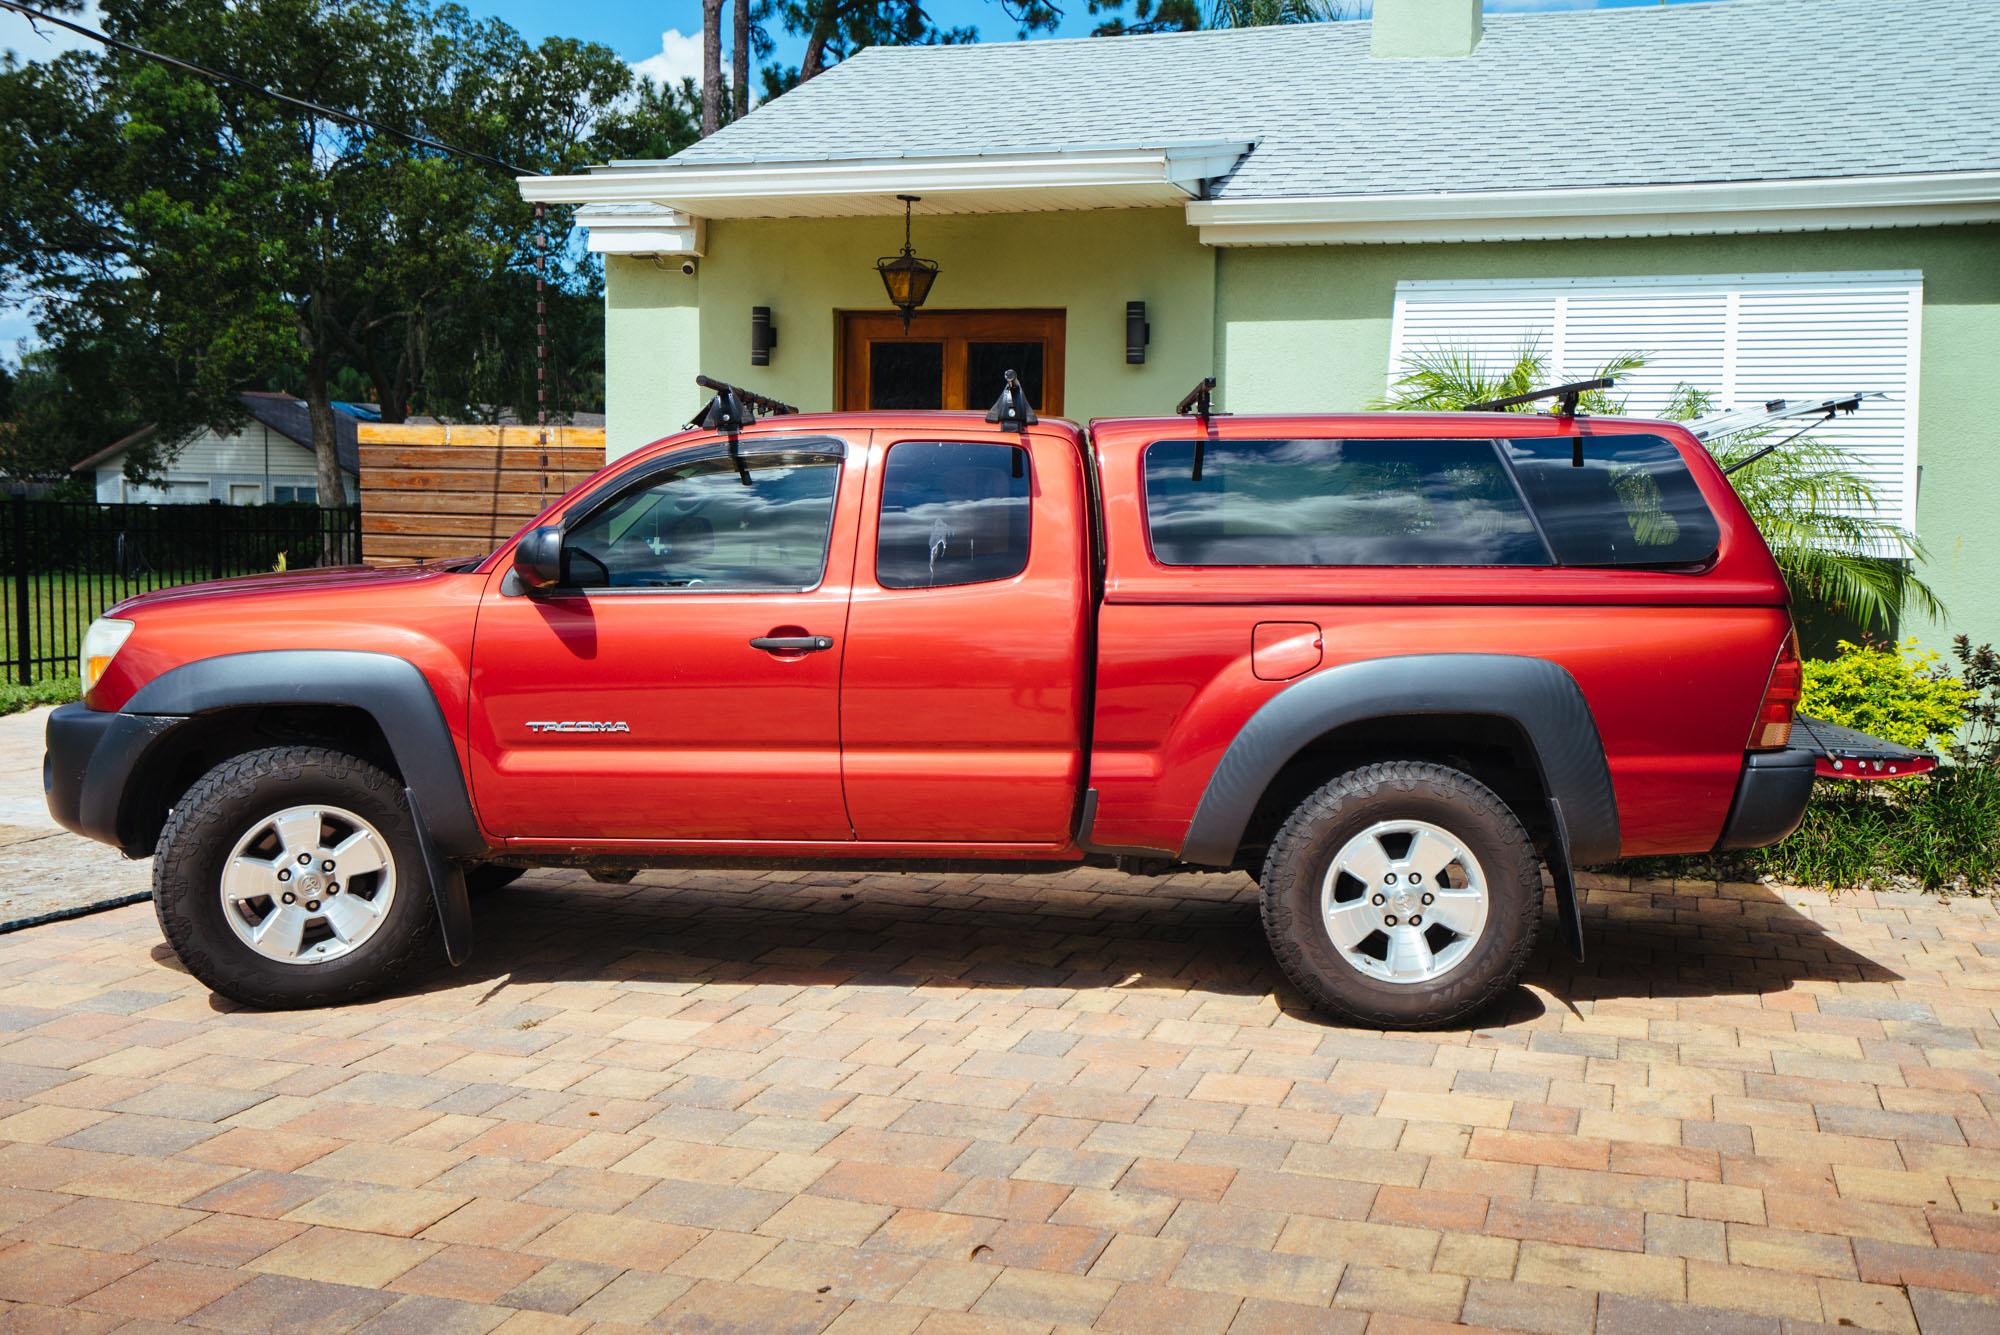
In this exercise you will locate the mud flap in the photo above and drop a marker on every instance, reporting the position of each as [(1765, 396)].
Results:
[(1569, 910), (447, 880)]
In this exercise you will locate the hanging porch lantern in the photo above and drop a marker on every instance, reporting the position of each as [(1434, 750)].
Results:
[(907, 277)]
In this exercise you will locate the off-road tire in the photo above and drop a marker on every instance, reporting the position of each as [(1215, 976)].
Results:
[(1296, 866), (221, 807)]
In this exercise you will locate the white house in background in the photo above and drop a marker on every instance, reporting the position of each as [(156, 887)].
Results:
[(268, 459)]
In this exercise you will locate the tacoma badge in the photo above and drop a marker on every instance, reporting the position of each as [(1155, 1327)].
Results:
[(587, 725)]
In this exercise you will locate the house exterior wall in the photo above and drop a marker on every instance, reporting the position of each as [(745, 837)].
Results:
[(209, 465), (1308, 328), (662, 327)]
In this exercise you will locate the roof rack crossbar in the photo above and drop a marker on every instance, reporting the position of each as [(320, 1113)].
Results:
[(1200, 400), (730, 411), (1569, 394)]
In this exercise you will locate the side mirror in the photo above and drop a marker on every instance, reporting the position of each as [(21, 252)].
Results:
[(538, 556)]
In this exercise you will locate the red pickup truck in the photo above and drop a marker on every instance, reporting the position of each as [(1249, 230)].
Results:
[(1391, 665)]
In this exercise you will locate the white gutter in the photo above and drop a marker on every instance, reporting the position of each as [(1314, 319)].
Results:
[(1000, 183), (1830, 203)]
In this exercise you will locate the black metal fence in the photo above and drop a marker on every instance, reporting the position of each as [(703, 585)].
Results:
[(68, 561)]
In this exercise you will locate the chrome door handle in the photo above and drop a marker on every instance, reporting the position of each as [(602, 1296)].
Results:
[(810, 644)]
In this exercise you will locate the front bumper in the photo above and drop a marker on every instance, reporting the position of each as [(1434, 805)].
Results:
[(89, 766), (1771, 797)]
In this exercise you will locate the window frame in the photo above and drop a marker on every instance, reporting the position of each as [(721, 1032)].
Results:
[(644, 476), (881, 497)]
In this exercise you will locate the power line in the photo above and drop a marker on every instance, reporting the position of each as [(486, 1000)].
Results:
[(236, 82)]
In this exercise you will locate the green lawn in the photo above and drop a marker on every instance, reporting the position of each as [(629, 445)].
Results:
[(60, 609)]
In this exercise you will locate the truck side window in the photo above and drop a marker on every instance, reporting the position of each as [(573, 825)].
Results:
[(1630, 502), (1336, 503), (953, 512), (698, 527)]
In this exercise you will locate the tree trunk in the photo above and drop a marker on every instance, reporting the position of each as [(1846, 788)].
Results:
[(326, 454), (739, 59), (711, 67), (822, 32)]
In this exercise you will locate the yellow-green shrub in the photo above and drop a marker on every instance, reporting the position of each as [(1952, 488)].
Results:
[(1901, 695)]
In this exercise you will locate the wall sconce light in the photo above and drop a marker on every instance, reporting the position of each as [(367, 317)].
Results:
[(763, 336), (1137, 333), (907, 277)]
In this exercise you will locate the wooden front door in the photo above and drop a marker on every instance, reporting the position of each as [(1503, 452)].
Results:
[(949, 359)]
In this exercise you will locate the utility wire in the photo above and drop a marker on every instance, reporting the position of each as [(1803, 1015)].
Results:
[(236, 82)]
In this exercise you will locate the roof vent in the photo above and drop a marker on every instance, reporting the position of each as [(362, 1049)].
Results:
[(1420, 29)]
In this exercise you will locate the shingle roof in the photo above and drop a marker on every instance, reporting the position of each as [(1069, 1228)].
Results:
[(1727, 91), (281, 412)]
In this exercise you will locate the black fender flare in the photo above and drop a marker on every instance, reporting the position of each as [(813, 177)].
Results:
[(391, 690), (1539, 696)]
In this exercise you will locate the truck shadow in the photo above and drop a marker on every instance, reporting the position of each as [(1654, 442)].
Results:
[(1188, 942)]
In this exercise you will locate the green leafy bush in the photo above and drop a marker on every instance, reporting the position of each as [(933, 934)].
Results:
[(1902, 695)]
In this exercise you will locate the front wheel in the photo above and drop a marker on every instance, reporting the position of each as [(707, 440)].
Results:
[(292, 877), (1403, 896)]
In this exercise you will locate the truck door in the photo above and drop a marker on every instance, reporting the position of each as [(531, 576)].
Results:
[(963, 684), (682, 680)]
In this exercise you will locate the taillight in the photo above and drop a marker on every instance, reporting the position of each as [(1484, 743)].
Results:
[(1773, 729)]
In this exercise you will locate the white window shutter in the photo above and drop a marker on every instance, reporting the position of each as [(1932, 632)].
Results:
[(1742, 338)]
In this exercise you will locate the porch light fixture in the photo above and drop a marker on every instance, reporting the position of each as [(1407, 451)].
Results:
[(1138, 333), (907, 277), (763, 335)]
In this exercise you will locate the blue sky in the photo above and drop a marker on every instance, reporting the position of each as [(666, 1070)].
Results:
[(664, 40)]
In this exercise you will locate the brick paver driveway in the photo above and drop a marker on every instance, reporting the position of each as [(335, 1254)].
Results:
[(791, 1103)]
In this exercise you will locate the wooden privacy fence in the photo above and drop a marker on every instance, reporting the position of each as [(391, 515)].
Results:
[(437, 491)]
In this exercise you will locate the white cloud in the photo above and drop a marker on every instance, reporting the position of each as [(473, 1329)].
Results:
[(679, 58), (33, 41), (1519, 6)]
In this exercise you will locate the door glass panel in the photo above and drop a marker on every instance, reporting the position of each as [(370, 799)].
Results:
[(953, 512), (906, 375), (698, 527), (986, 367)]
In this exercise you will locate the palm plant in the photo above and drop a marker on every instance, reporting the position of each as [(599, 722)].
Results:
[(1268, 13), (1807, 498)]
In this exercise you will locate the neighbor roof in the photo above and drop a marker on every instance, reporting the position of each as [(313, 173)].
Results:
[(1739, 90), (280, 412)]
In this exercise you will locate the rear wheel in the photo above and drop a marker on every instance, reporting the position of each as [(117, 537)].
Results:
[(1403, 896), (292, 877)]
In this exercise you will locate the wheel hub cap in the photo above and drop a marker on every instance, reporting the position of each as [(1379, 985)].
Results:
[(1404, 901), (308, 884)]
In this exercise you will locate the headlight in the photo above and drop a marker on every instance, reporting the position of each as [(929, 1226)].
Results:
[(101, 644)]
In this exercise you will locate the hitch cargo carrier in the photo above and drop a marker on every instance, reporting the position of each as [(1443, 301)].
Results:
[(1843, 753)]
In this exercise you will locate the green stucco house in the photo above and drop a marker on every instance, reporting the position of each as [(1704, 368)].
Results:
[(1769, 198)]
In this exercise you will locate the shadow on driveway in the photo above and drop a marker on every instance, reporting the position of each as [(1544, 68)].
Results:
[(1192, 934)]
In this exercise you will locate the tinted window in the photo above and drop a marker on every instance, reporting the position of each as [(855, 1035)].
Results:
[(698, 527), (1632, 502), (1336, 503), (953, 512)]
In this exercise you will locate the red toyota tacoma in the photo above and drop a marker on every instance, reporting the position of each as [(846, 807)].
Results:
[(1391, 665)]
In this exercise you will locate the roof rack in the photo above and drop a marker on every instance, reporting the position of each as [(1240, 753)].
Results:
[(1012, 410), (1200, 400), (731, 410), (1568, 394)]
